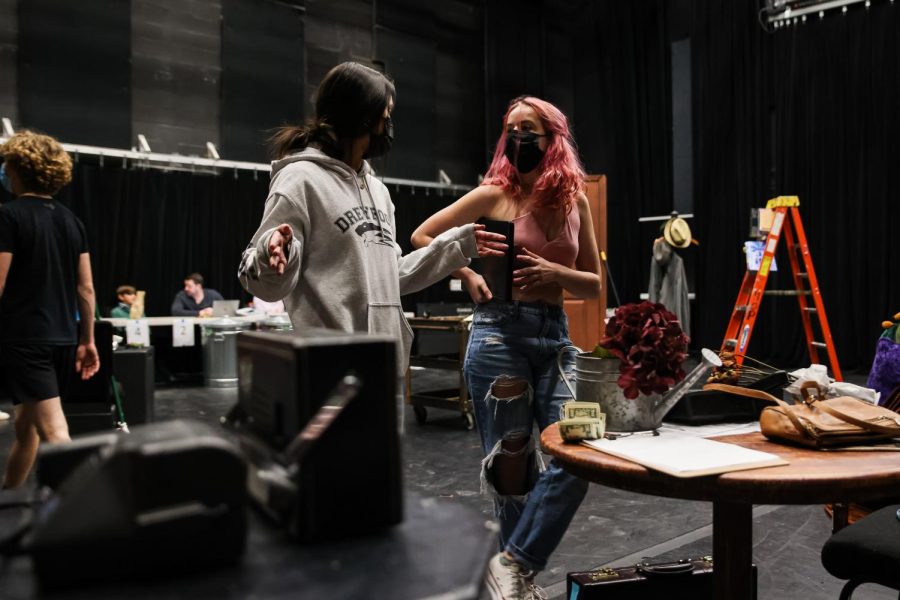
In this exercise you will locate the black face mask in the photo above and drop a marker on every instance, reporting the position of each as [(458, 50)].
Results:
[(523, 151), (380, 143)]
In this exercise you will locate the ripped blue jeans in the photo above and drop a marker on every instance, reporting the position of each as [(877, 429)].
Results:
[(520, 340)]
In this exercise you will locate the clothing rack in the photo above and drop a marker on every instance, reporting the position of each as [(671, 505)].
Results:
[(213, 166), (671, 215)]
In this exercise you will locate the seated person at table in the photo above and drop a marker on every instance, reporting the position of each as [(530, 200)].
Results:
[(126, 295), (193, 300)]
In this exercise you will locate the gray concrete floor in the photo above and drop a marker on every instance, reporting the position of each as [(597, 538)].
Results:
[(618, 528), (612, 527)]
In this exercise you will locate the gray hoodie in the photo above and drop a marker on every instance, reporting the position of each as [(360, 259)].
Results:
[(345, 270)]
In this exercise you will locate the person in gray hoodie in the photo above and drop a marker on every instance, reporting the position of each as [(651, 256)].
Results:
[(327, 242)]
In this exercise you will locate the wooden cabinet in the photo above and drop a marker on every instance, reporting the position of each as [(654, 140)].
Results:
[(586, 317)]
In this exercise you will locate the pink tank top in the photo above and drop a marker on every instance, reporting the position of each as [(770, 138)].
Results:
[(563, 249)]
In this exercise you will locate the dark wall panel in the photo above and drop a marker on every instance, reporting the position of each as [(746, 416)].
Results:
[(410, 60), (335, 31), (175, 48), (459, 89), (263, 81), (8, 50), (74, 72)]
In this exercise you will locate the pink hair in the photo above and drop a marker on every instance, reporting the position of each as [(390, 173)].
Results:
[(561, 174)]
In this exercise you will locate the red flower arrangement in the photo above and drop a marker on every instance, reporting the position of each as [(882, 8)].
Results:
[(651, 345)]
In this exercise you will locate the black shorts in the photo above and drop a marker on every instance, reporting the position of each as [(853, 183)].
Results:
[(35, 372)]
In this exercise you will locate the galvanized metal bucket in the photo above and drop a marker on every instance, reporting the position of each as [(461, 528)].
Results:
[(279, 322), (596, 381), (219, 340)]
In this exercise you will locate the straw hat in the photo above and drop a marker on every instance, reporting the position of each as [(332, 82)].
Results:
[(677, 233)]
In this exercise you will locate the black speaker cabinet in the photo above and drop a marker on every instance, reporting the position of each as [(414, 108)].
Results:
[(167, 498), (89, 405), (349, 482), (701, 407)]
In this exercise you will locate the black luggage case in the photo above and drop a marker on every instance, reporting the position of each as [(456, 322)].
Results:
[(686, 579), (701, 407)]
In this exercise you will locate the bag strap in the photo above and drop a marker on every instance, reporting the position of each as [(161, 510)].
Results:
[(824, 406), (893, 400), (760, 395), (742, 391), (809, 399)]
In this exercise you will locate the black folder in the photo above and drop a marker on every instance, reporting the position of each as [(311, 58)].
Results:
[(497, 270)]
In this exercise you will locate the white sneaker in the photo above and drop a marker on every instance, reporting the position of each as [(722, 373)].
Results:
[(508, 580), (4, 416)]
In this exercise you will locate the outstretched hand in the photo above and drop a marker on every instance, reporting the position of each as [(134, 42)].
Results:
[(538, 272), (489, 243), (279, 245)]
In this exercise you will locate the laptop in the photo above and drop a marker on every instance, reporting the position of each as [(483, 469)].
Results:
[(225, 308)]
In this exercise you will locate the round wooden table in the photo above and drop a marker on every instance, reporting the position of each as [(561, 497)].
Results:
[(812, 477)]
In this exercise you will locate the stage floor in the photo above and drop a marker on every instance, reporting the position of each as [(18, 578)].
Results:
[(613, 527)]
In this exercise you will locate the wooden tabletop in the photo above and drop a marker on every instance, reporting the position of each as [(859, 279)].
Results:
[(812, 477), (168, 321)]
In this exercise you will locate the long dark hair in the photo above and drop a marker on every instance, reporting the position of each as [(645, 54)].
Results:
[(349, 101)]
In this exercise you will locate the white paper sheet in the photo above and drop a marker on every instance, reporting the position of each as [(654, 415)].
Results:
[(683, 455)]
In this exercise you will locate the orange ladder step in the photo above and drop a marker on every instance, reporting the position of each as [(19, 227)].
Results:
[(786, 223)]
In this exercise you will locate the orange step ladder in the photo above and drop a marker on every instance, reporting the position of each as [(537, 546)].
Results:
[(786, 222)]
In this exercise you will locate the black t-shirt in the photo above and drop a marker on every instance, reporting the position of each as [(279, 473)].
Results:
[(40, 300)]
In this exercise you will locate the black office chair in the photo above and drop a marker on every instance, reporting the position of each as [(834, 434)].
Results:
[(866, 552)]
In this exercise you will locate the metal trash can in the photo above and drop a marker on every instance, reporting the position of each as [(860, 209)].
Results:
[(280, 322), (219, 337)]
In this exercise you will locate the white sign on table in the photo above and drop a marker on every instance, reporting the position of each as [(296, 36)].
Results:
[(137, 332), (183, 333)]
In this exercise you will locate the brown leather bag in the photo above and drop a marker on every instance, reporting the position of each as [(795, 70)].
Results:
[(816, 422)]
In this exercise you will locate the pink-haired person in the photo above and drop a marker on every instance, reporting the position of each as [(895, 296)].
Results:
[(536, 181)]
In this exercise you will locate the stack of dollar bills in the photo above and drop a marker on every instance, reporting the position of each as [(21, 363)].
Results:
[(581, 421)]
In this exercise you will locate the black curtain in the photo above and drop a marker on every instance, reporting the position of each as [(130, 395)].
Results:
[(810, 111), (150, 228), (605, 64), (412, 207), (625, 130)]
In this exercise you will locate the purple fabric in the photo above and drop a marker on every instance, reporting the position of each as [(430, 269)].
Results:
[(885, 373)]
